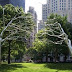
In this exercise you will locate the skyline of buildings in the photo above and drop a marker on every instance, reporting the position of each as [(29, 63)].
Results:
[(60, 7)]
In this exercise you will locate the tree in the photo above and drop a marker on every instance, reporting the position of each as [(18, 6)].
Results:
[(67, 27), (20, 48), (17, 50), (41, 48), (18, 25), (55, 33), (52, 39), (32, 53)]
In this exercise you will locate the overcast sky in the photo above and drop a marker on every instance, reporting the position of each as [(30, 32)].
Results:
[(37, 4)]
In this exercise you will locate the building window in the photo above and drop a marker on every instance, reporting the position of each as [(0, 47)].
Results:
[(52, 10), (60, 8), (63, 14), (56, 9), (69, 0), (64, 0), (69, 5), (64, 8), (64, 4), (68, 8)]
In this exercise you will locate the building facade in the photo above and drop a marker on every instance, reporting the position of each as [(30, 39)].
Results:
[(60, 7), (20, 3), (34, 15), (44, 12), (40, 25), (4, 2)]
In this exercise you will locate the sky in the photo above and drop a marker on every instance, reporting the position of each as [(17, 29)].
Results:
[(37, 4)]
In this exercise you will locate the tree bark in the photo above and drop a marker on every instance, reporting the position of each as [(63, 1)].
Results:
[(0, 52), (55, 55), (9, 52), (65, 58), (47, 57), (0, 49)]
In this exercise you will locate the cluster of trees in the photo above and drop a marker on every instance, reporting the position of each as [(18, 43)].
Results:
[(51, 40), (15, 28)]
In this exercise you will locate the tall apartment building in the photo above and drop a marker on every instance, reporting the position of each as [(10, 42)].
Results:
[(20, 3), (60, 7), (34, 15), (44, 12)]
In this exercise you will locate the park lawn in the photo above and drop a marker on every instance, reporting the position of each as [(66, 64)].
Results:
[(32, 67)]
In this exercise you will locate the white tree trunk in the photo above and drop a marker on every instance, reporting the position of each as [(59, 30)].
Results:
[(0, 49), (69, 45)]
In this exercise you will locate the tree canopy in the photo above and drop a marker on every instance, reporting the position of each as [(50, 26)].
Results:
[(15, 25)]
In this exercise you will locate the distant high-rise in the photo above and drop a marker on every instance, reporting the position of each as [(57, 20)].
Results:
[(20, 3), (34, 15), (60, 7), (44, 12), (41, 25), (4, 2)]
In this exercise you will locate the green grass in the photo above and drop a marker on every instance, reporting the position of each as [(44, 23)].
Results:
[(32, 67)]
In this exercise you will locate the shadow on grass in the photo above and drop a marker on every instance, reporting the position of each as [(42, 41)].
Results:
[(59, 66), (6, 67)]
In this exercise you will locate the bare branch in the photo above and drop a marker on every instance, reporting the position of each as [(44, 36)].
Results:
[(11, 22)]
